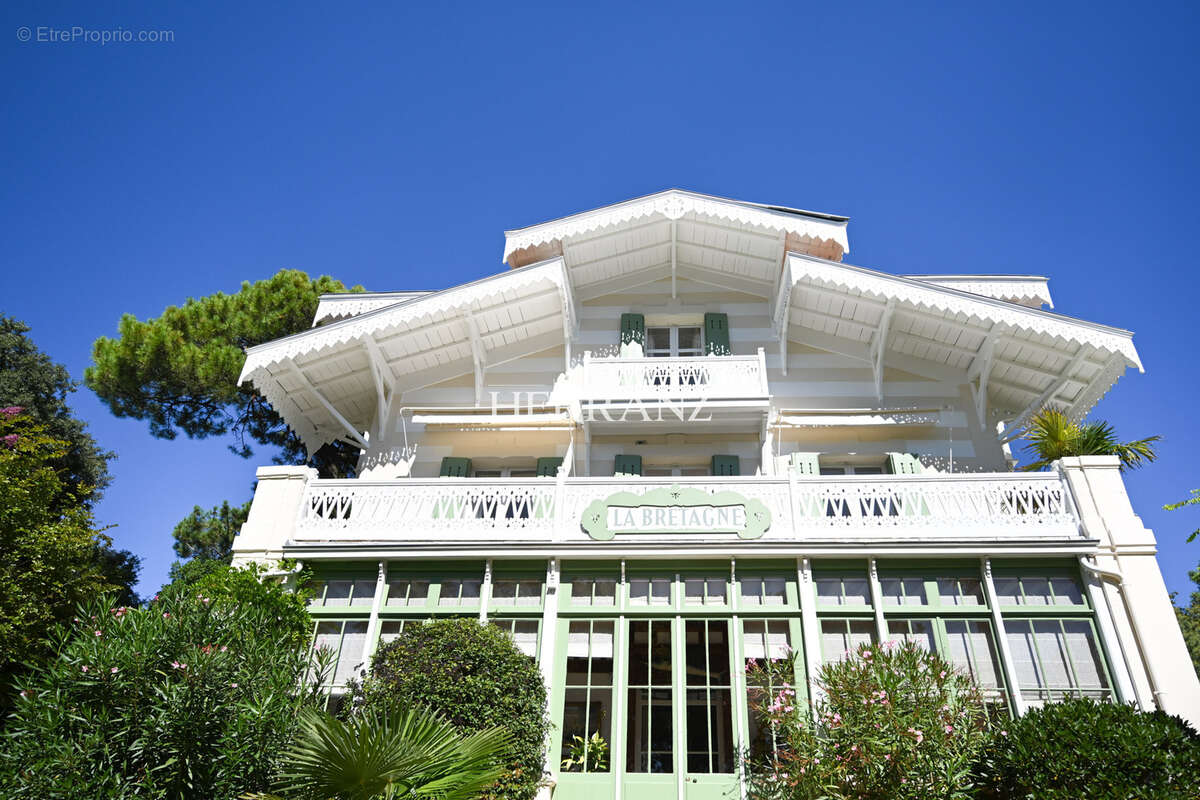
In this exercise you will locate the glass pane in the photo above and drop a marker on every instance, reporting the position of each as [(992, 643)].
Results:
[(451, 590), (574, 724), (639, 653), (525, 636), (1052, 653), (972, 650), (857, 591), (913, 631), (829, 590), (364, 592), (960, 591), (714, 590), (1008, 591), (389, 630), (721, 729), (693, 590), (337, 593), (504, 593), (578, 635), (1066, 591), (529, 593), (689, 340), (605, 593), (1020, 643), (660, 653), (354, 640), (471, 590), (774, 591), (1081, 646), (602, 653), (697, 732), (751, 591), (658, 339), (1037, 591)]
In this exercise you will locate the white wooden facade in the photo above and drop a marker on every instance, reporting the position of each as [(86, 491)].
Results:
[(869, 414)]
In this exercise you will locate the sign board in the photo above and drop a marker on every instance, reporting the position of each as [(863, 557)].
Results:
[(675, 510)]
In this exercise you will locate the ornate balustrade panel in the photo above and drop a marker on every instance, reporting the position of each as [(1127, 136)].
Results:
[(707, 377), (928, 507)]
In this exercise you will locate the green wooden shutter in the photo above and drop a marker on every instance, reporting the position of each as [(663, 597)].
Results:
[(806, 463), (903, 464), (716, 334), (726, 465), (627, 466), (456, 467), (633, 328), (547, 467)]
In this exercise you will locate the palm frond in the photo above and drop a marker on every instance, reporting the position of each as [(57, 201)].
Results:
[(1051, 436)]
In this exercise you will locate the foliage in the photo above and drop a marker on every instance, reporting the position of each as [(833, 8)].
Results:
[(1191, 501), (589, 754), (180, 371), (193, 696), (896, 722), (1052, 436), (51, 554), (410, 753), (474, 677), (1189, 621), (30, 380), (209, 534), (1081, 748)]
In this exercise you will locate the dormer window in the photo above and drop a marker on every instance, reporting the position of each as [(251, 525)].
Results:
[(674, 341)]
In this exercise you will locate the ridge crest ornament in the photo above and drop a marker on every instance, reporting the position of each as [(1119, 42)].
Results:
[(675, 509)]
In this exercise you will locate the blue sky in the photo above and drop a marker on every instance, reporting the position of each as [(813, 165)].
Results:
[(392, 146)]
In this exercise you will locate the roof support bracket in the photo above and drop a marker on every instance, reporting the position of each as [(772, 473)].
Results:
[(781, 312), (385, 381), (673, 292), (879, 346), (1017, 426), (478, 356), (981, 368), (355, 437)]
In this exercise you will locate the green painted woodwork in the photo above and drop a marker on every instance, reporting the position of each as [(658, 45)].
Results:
[(633, 328), (595, 516), (455, 467), (904, 464), (547, 467), (716, 334), (806, 463), (628, 466), (726, 465)]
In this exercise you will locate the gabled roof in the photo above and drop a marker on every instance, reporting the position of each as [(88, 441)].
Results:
[(331, 381)]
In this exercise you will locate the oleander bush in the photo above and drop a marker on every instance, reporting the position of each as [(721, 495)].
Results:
[(474, 677), (1081, 748), (896, 722), (195, 695)]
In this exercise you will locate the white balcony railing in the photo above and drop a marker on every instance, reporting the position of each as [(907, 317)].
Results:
[(703, 377), (931, 507)]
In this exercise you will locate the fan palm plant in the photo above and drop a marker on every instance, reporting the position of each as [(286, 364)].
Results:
[(407, 754), (1052, 436)]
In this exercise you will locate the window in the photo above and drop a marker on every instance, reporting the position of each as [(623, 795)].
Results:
[(650, 592), (334, 593), (766, 641), (675, 341), (506, 592), (593, 591), (674, 471), (763, 591), (841, 637), (903, 591), (972, 650), (960, 591), (843, 590), (523, 632), (1056, 590), (707, 591), (1056, 658), (709, 701), (587, 704), (460, 592), (389, 629), (506, 472), (406, 592), (851, 469), (913, 631), (347, 639)]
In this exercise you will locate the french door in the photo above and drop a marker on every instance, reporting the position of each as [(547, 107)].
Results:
[(672, 732)]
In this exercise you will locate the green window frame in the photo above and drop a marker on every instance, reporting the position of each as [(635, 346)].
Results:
[(1029, 592), (843, 589), (347, 638), (769, 641), (589, 693), (342, 590), (1056, 658), (766, 591), (594, 590), (705, 590), (406, 592), (525, 632), (841, 636)]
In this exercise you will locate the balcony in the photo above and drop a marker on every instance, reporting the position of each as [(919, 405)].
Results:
[(679, 380), (929, 508)]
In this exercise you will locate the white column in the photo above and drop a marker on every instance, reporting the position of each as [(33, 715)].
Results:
[(485, 591), (546, 664), (376, 605), (811, 628), (881, 630), (1006, 659)]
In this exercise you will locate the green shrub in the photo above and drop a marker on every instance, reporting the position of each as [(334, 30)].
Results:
[(475, 678), (1081, 748), (194, 696), (897, 722)]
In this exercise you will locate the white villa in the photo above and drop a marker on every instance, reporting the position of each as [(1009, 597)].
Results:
[(680, 432)]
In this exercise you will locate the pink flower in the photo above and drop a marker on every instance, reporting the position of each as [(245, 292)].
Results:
[(10, 440), (234, 685), (224, 648), (98, 633), (84, 668), (113, 670), (1004, 734), (949, 729), (866, 653), (166, 615)]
